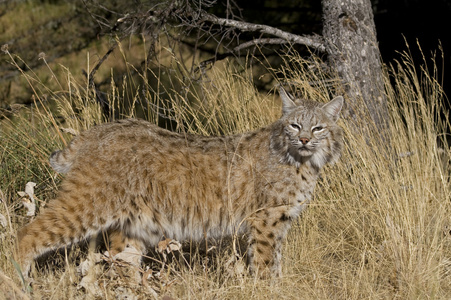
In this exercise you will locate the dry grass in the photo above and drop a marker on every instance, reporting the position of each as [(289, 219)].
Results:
[(378, 228)]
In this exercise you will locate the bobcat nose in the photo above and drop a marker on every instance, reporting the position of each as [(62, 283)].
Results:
[(304, 140)]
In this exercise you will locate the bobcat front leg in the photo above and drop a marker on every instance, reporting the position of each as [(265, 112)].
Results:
[(268, 230)]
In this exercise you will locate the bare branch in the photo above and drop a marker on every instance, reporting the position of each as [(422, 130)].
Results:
[(309, 41), (99, 98), (100, 62), (261, 41)]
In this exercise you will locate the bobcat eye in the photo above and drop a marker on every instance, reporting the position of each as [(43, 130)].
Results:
[(317, 128), (295, 127)]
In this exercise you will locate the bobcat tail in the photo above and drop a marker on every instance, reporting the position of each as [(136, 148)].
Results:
[(62, 160)]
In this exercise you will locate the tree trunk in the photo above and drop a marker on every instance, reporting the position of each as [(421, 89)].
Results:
[(352, 49)]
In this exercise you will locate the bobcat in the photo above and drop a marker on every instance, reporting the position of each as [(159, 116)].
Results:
[(142, 183)]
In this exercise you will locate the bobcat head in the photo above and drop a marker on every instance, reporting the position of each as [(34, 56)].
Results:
[(308, 131)]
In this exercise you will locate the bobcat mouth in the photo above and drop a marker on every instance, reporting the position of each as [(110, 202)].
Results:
[(304, 150)]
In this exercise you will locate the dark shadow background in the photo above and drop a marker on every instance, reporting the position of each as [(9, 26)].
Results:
[(397, 22), (428, 22)]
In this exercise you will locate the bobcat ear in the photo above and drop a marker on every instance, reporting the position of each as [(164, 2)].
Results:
[(333, 108), (287, 101)]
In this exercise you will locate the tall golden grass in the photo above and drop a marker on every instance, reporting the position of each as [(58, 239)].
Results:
[(380, 223)]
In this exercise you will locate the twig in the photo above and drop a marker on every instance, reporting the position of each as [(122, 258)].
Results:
[(100, 62), (104, 103)]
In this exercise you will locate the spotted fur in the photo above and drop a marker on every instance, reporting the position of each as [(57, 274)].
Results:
[(142, 183)]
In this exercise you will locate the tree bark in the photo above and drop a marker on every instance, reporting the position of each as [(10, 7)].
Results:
[(352, 48)]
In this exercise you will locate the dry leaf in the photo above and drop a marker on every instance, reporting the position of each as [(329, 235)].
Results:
[(87, 264), (31, 208), (28, 198), (91, 286), (235, 266), (130, 260), (91, 271), (29, 189), (168, 246), (130, 255), (3, 221)]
